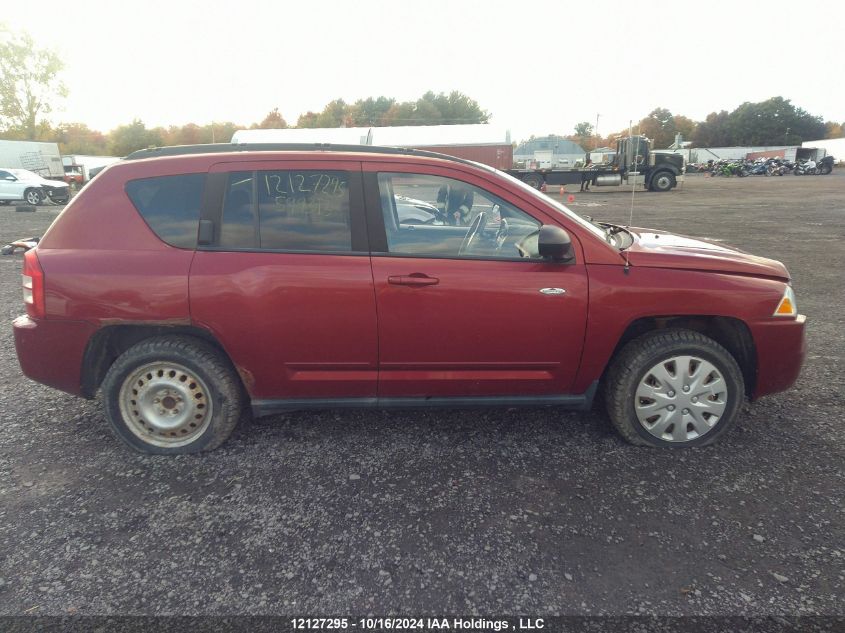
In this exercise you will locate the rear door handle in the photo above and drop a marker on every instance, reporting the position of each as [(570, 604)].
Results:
[(416, 279)]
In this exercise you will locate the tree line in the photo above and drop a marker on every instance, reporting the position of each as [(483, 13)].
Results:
[(78, 138), (30, 86), (775, 121)]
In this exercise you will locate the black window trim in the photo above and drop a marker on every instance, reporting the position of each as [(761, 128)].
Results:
[(205, 176), (212, 209), (378, 232)]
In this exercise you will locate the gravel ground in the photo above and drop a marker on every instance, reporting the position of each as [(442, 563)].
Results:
[(500, 511)]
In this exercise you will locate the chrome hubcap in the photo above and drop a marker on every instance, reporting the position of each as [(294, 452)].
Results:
[(681, 398), (663, 182), (165, 404)]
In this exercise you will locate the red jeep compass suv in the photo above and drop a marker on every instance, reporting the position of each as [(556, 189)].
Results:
[(194, 284)]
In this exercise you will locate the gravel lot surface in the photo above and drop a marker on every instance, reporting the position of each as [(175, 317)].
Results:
[(502, 511)]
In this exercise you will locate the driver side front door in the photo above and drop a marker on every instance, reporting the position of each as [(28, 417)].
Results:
[(472, 320)]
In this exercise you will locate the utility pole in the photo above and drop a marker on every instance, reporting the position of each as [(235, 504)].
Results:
[(597, 131)]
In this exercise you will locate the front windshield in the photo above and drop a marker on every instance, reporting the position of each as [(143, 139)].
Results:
[(595, 230)]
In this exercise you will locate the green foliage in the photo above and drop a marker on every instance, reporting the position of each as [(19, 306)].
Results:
[(429, 109), (714, 131), (584, 129), (78, 138), (660, 126), (369, 112), (126, 139), (28, 86), (309, 119), (584, 134), (273, 121), (772, 122)]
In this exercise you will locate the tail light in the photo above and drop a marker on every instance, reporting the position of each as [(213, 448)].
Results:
[(33, 285)]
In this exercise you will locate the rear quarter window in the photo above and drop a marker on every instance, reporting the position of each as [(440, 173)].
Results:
[(170, 205)]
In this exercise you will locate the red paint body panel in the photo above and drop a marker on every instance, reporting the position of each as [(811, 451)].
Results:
[(295, 326), (317, 326), (658, 249), (781, 349), (111, 286), (51, 352), (618, 299), (483, 329), (101, 216)]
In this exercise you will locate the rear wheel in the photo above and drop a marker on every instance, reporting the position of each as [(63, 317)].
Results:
[(674, 388), (33, 197), (172, 395), (533, 180)]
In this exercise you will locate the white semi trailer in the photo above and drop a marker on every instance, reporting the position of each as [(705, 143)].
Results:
[(43, 159)]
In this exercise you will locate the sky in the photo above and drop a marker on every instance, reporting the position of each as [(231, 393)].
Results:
[(538, 67)]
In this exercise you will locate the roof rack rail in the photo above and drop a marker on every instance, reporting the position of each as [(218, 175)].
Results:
[(216, 148)]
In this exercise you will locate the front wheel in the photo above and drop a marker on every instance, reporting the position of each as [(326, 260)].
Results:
[(662, 181), (675, 389), (33, 197), (171, 395)]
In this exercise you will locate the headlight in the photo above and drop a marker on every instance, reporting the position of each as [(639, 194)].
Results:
[(787, 306)]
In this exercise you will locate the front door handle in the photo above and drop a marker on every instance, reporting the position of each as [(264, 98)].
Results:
[(416, 279)]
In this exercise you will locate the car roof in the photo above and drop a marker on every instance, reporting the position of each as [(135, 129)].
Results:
[(244, 150)]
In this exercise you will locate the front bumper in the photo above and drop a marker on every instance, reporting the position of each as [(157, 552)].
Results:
[(58, 193), (781, 349), (51, 352)]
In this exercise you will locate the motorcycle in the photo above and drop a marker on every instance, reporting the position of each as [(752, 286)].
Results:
[(759, 168), (825, 165), (805, 168)]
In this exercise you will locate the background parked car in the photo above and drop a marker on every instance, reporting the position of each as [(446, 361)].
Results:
[(20, 184)]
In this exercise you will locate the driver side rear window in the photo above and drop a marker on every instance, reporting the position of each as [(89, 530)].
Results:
[(431, 216)]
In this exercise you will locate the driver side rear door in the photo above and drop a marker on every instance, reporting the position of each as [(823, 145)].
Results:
[(472, 321)]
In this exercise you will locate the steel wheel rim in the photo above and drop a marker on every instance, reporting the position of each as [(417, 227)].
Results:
[(663, 182), (681, 398), (165, 404)]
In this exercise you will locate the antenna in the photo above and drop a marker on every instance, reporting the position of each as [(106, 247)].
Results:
[(631, 159)]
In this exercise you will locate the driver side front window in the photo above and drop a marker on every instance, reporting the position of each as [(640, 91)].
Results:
[(431, 216)]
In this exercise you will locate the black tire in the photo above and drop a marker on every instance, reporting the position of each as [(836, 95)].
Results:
[(204, 365), (33, 197), (640, 356), (533, 180), (662, 181), (824, 170)]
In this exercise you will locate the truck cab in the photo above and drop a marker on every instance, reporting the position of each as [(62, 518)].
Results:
[(637, 163)]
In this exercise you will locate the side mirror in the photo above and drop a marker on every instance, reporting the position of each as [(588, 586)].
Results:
[(554, 243)]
